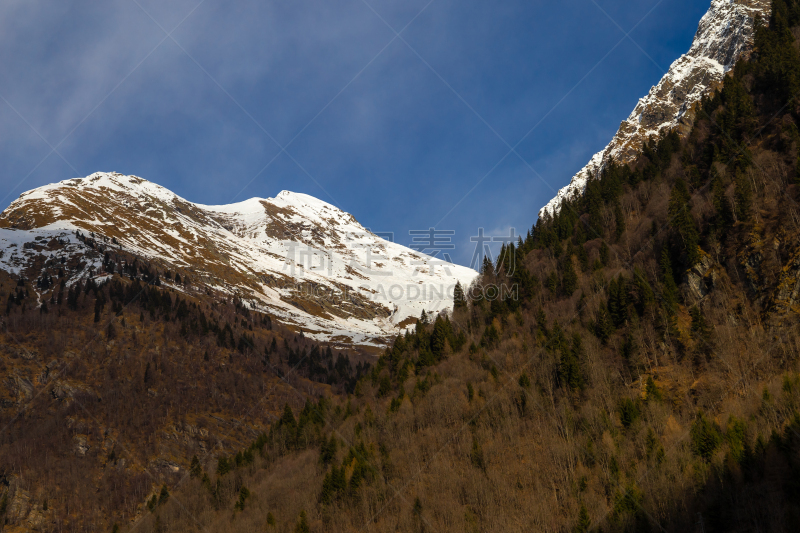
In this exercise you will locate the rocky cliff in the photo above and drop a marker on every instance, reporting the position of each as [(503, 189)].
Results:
[(724, 36)]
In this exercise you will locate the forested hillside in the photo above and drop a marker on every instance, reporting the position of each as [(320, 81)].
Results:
[(108, 388), (645, 376)]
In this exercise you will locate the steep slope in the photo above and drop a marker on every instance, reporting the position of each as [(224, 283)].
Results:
[(639, 383), (724, 36), (302, 260)]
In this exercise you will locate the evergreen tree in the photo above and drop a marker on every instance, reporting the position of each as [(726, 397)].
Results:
[(302, 524), (552, 282), (490, 336), (163, 496), (593, 201), (680, 213), (700, 331), (670, 288), (328, 450), (645, 292), (569, 280), (706, 437), (195, 470), (487, 267), (476, 455), (743, 195), (244, 493), (459, 298), (619, 221), (797, 171), (721, 203), (628, 349), (618, 301), (442, 331), (583, 258), (569, 369), (604, 326), (286, 427), (604, 254), (584, 522)]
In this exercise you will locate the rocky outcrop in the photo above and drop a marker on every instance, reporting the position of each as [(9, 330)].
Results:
[(23, 513), (724, 36), (703, 277), (786, 297), (750, 259)]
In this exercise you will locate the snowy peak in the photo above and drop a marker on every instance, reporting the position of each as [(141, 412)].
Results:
[(724, 36), (306, 262)]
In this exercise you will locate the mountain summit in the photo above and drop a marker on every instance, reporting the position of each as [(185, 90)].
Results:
[(302, 260), (724, 36)]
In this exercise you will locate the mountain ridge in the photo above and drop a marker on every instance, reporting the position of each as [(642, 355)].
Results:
[(724, 36), (308, 263)]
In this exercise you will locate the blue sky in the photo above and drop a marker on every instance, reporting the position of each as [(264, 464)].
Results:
[(222, 101)]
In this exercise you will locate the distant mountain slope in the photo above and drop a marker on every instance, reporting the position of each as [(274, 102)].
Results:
[(724, 36), (306, 262)]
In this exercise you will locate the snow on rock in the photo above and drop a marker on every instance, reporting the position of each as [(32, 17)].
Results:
[(308, 263), (724, 35)]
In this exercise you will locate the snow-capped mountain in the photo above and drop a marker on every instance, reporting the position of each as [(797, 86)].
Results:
[(724, 36), (306, 262)]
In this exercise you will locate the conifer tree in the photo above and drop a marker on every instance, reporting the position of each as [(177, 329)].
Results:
[(645, 292), (618, 301), (244, 493), (441, 331), (700, 330), (680, 213), (593, 200), (302, 523), (163, 496), (552, 281), (721, 203), (797, 171), (569, 280), (603, 327), (459, 298), (487, 267), (195, 470), (628, 349), (743, 194), (619, 221), (670, 288), (604, 254), (584, 522), (583, 258), (569, 369), (476, 455), (328, 450), (338, 480)]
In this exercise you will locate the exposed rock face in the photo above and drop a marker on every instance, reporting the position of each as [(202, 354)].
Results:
[(303, 261), (23, 513), (724, 36), (786, 298), (81, 444), (703, 277)]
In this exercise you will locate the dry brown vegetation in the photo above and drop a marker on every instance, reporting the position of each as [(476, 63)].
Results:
[(106, 398), (645, 378), (566, 410)]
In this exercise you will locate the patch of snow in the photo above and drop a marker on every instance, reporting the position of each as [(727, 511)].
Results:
[(724, 35)]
